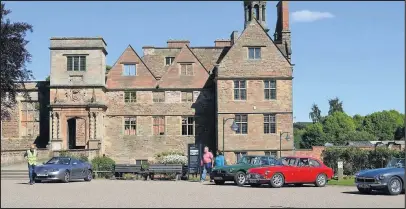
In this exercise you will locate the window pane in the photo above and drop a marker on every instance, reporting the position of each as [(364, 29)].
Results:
[(251, 53), (190, 120), (189, 96), (266, 84), (266, 118), (273, 128), (69, 63), (238, 118), (272, 84), (190, 130), (236, 84), (184, 129), (82, 63), (243, 94), (242, 84), (272, 118), (244, 118), (184, 121), (244, 128), (236, 94), (266, 128), (75, 63), (273, 94), (258, 53), (266, 93)]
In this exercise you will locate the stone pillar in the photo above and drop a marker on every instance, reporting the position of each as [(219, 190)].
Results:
[(93, 141), (56, 142)]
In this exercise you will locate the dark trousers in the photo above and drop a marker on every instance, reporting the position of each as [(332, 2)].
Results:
[(31, 172)]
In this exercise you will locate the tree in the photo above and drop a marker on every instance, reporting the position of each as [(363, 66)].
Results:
[(108, 68), (313, 136), (335, 106), (48, 78), (358, 121), (337, 125), (14, 56), (400, 133), (315, 114), (383, 124)]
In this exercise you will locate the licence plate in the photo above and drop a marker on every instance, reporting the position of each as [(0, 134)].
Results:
[(218, 178), (252, 181), (364, 186), (41, 174)]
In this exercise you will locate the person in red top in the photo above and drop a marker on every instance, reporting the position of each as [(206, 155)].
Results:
[(207, 163)]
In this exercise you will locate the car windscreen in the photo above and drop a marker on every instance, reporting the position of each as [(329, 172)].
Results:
[(247, 160), (59, 161), (396, 163)]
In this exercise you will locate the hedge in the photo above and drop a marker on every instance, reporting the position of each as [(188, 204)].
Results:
[(103, 164), (356, 159)]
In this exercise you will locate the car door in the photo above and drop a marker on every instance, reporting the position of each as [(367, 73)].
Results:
[(315, 169), (304, 171), (76, 169), (290, 170)]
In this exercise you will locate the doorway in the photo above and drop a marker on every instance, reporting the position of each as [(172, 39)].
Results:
[(71, 133)]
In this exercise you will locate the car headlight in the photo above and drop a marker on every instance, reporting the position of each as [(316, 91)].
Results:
[(380, 177)]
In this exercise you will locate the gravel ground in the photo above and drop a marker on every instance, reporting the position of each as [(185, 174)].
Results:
[(109, 193)]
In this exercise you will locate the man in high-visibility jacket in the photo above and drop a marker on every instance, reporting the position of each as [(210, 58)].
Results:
[(31, 157)]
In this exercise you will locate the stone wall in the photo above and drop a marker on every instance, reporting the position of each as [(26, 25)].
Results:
[(9, 157)]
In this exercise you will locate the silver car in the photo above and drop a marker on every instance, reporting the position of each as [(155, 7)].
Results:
[(63, 169)]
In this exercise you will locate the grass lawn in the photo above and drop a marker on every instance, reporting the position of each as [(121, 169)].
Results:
[(343, 182)]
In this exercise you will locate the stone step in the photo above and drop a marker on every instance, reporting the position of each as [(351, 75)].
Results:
[(14, 178), (14, 174)]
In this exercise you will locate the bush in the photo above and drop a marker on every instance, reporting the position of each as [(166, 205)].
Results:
[(355, 159), (128, 176), (103, 164), (81, 157)]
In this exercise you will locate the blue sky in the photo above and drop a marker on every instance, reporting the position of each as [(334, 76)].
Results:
[(352, 50)]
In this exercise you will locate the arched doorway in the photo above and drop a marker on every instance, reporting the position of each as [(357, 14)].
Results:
[(76, 133)]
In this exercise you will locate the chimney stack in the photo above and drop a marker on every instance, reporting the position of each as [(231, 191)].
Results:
[(282, 31), (233, 37), (222, 43), (177, 43)]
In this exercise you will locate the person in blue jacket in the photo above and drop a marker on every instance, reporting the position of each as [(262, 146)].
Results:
[(219, 160)]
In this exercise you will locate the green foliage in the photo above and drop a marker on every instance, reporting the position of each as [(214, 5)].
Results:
[(335, 106), (315, 114), (358, 121), (336, 125), (48, 78), (355, 159), (298, 134), (313, 136), (166, 153), (301, 125), (103, 164), (383, 124), (108, 68), (400, 133), (128, 176), (14, 56), (73, 155)]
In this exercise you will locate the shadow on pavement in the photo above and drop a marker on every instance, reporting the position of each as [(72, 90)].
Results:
[(262, 186), (372, 193)]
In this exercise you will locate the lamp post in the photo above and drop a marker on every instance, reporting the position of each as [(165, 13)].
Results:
[(233, 127), (280, 141)]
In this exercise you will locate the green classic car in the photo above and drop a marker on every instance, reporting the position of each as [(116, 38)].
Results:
[(237, 172)]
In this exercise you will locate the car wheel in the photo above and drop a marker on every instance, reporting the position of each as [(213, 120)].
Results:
[(364, 190), (395, 186), (219, 182), (255, 185), (66, 177), (89, 175), (277, 180), (240, 178), (321, 180)]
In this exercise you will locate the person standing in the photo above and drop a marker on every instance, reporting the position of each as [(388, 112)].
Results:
[(31, 157), (219, 159), (207, 163)]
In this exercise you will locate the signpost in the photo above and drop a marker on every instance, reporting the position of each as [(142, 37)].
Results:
[(194, 156), (340, 172)]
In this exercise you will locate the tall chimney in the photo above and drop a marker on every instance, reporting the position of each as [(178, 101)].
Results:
[(177, 43), (282, 31), (222, 43), (233, 37)]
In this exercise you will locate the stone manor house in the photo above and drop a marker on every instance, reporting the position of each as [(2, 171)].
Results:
[(166, 98)]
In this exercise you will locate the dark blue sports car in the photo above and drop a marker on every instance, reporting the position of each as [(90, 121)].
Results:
[(64, 169), (390, 179)]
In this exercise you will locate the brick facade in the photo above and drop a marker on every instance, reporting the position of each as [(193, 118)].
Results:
[(173, 82)]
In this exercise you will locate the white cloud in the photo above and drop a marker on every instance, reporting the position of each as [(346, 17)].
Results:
[(309, 16)]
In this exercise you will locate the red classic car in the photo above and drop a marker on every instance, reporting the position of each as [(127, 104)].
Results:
[(291, 170)]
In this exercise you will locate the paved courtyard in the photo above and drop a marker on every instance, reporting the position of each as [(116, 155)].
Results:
[(108, 193)]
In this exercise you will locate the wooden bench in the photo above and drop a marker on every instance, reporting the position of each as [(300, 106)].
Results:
[(121, 169), (154, 169)]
